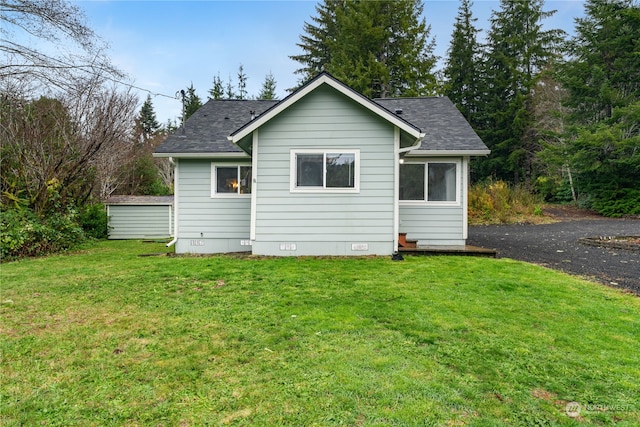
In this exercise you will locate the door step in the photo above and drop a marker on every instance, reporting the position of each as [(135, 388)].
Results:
[(404, 243)]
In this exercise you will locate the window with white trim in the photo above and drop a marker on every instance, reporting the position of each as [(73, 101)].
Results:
[(330, 170), (230, 180), (431, 182)]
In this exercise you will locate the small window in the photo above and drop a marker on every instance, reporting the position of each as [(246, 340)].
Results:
[(309, 170), (442, 182), (324, 171), (412, 181), (432, 182), (231, 180)]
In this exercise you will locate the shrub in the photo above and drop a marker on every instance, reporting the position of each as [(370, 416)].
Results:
[(23, 233), (94, 221), (554, 189), (617, 203), (497, 202)]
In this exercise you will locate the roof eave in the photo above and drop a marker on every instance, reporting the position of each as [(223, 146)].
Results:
[(178, 155), (442, 153)]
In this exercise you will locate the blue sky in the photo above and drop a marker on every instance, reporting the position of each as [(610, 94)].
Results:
[(164, 46)]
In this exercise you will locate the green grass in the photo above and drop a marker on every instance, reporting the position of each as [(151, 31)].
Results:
[(106, 337)]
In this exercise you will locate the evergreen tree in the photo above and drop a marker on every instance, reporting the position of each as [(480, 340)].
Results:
[(268, 90), (604, 67), (242, 83), (379, 48), (229, 91), (217, 91), (191, 102), (171, 126), (146, 122), (462, 79), (319, 39), (602, 77), (517, 49)]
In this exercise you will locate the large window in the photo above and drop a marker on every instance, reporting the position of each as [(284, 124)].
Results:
[(432, 182), (324, 170), (231, 180)]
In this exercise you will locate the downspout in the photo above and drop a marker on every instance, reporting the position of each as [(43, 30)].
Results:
[(396, 179), (175, 202), (465, 197), (254, 187)]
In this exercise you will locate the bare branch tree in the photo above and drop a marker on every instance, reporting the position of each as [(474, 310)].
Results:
[(73, 143), (549, 114), (67, 47), (165, 171)]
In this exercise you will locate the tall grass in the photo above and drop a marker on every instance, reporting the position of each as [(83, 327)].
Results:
[(496, 202)]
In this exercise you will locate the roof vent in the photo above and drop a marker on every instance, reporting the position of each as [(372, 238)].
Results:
[(398, 111), (253, 114)]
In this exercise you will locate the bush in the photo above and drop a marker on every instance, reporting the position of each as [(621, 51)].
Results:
[(497, 202), (554, 189), (616, 203), (94, 221), (23, 233)]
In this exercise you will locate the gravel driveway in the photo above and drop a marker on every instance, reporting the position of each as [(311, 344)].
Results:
[(558, 246)]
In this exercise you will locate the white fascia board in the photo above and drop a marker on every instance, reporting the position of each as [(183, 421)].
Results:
[(305, 90), (239, 155), (444, 153)]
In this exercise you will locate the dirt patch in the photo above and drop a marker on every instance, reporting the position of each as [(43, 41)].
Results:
[(543, 394), (569, 212)]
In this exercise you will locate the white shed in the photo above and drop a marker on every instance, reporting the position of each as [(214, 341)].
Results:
[(140, 217)]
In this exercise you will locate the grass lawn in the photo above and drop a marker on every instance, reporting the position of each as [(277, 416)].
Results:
[(106, 337)]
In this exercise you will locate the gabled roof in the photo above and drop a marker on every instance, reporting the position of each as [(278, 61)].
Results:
[(325, 78), (217, 127)]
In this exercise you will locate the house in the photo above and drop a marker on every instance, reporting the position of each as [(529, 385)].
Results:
[(140, 217), (325, 171)]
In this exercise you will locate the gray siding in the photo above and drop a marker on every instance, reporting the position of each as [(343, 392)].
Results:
[(432, 225), (437, 225), (325, 223), (206, 224), (140, 221)]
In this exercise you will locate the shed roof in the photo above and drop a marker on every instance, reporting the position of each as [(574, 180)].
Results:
[(139, 200)]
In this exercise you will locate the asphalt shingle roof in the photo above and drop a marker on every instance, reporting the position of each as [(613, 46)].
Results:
[(206, 131), (444, 125)]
